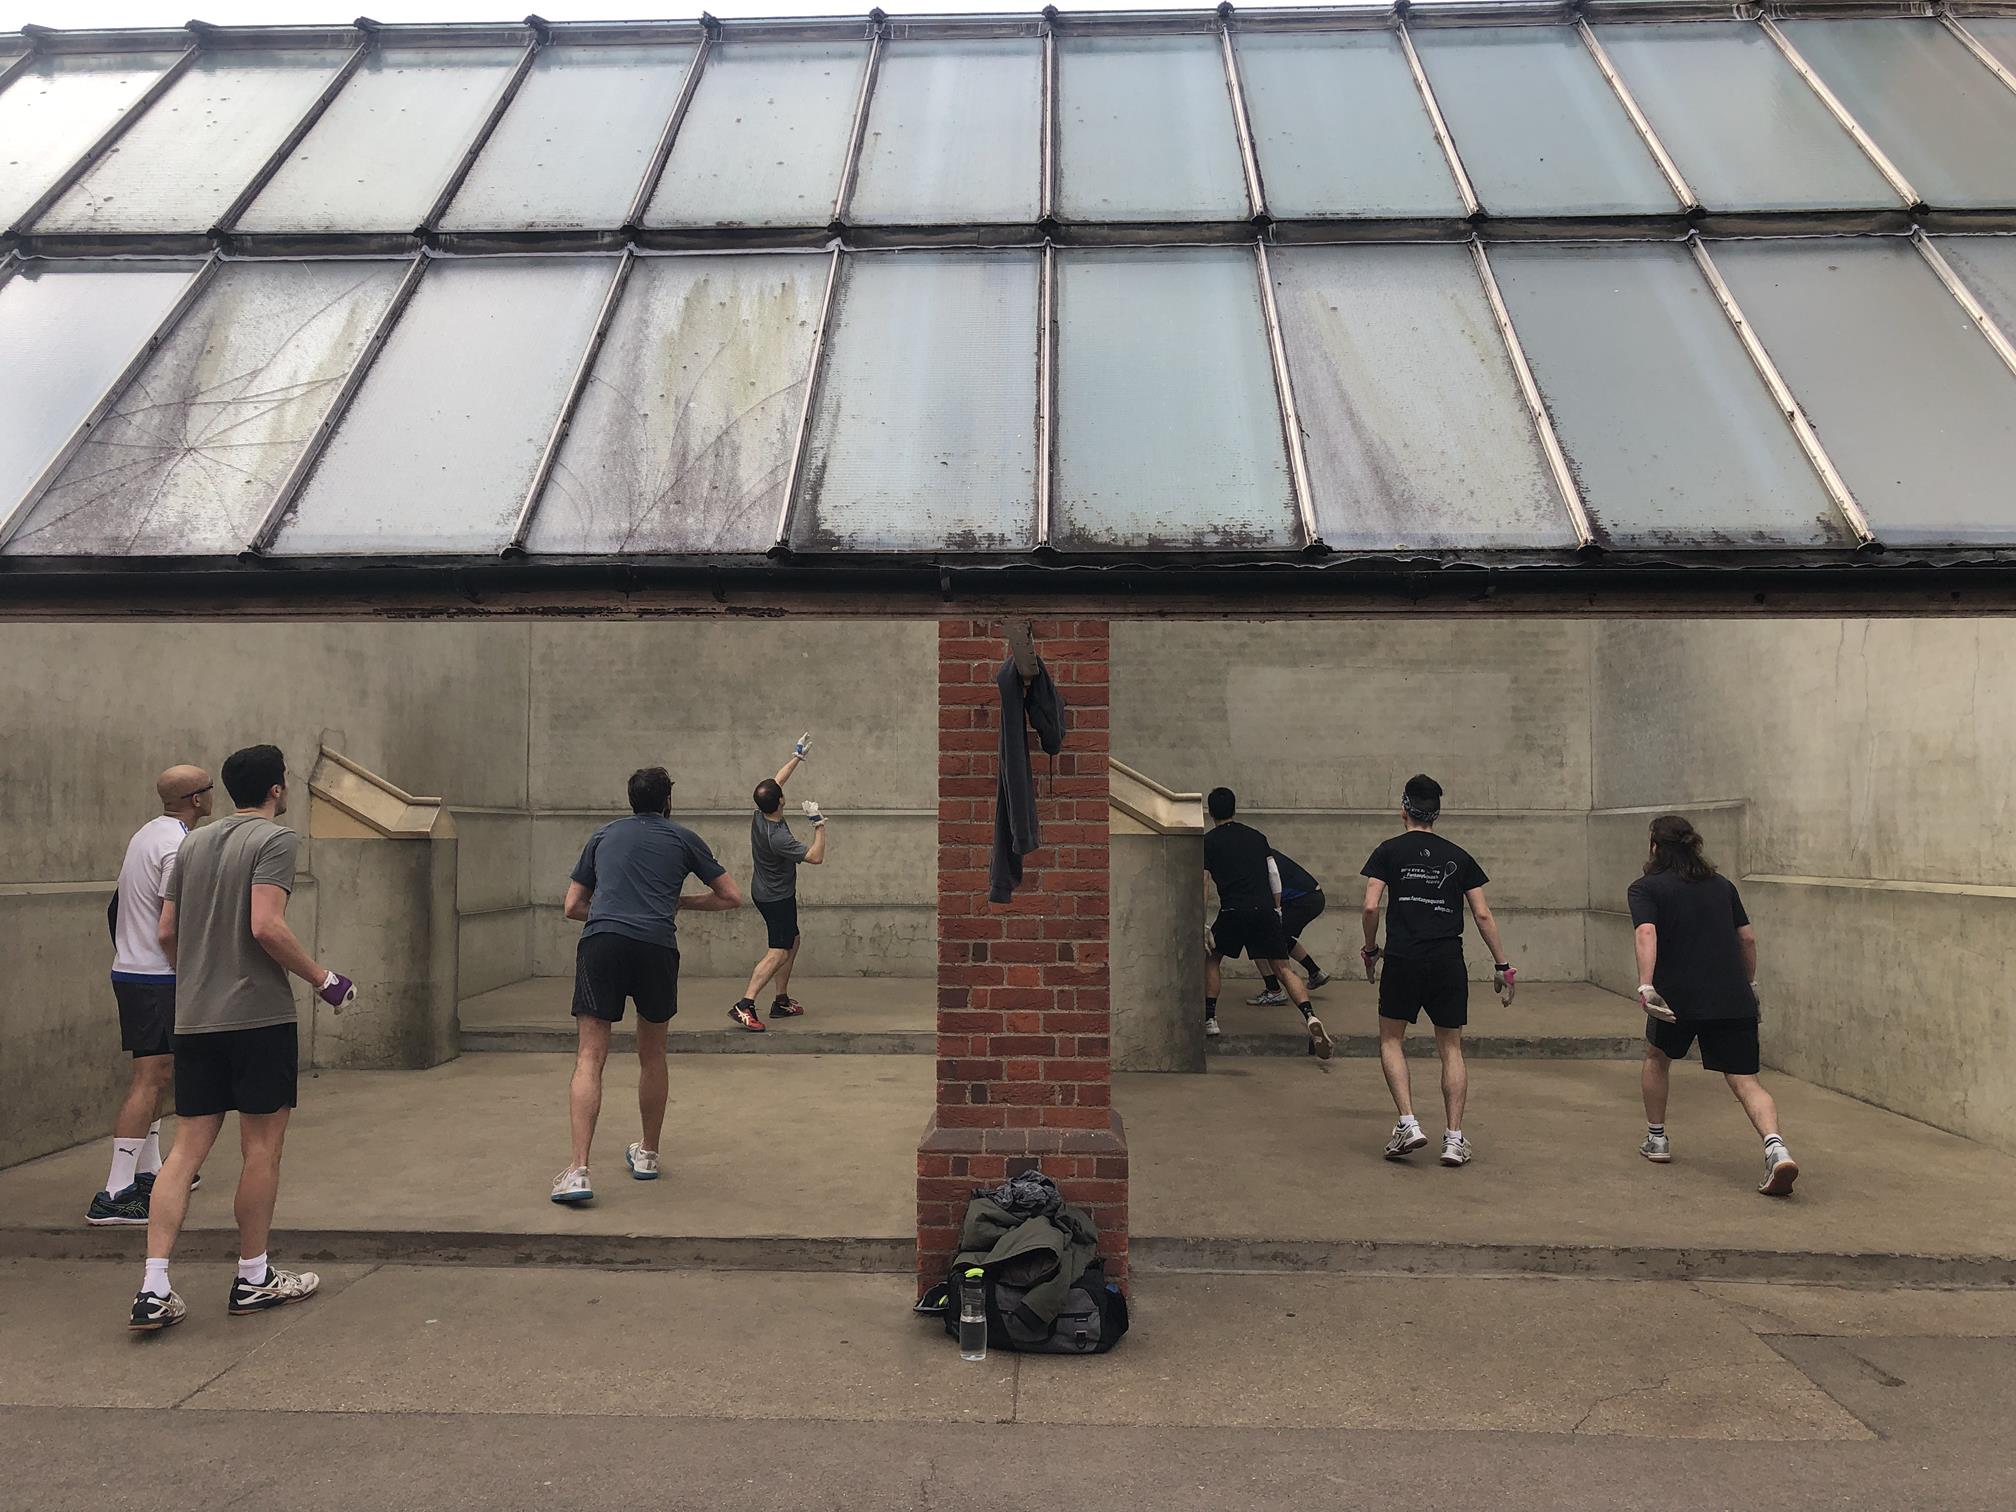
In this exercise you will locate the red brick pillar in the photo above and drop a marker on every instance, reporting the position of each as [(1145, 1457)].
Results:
[(1024, 1065)]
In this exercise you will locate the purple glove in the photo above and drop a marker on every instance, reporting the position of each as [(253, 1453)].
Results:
[(337, 990)]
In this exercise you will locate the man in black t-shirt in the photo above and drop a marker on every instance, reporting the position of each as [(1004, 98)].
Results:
[(1697, 966), (1249, 914), (1302, 903), (1430, 881)]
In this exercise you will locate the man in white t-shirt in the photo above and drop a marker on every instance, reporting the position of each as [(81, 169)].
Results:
[(143, 983)]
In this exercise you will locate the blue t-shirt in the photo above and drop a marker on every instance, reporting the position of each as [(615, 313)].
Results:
[(635, 868)]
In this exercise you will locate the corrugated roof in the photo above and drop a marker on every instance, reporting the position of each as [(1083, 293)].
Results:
[(1498, 286)]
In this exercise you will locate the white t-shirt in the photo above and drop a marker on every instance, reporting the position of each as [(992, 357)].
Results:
[(143, 882)]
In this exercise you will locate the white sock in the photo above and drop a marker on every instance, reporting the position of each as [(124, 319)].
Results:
[(1452, 1134), (157, 1278), (1409, 1121), (1773, 1139), (254, 1269), (124, 1153), (150, 1150)]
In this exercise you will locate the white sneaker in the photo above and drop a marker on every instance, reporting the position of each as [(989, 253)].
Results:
[(643, 1163), (1407, 1138), (1273, 999), (1657, 1148), (1780, 1171), (572, 1187), (1210, 1028), (1456, 1151)]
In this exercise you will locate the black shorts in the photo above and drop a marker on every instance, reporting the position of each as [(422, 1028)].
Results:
[(1437, 983), (1727, 1045), (1257, 933), (781, 919), (146, 1017), (236, 1071), (1297, 914), (610, 967)]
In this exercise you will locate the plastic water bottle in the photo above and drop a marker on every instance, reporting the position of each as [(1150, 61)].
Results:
[(973, 1315)]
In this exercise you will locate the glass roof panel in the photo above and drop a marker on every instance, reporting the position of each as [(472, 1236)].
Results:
[(1169, 435), (1145, 131), (765, 137), (1911, 402), (1670, 431), (924, 431), (1746, 130), (189, 459), (51, 114), (198, 146), (572, 148), (1987, 265), (1340, 128), (1538, 129), (438, 448), (65, 334), (1943, 119), (682, 440), (388, 144), (1414, 428), (955, 134), (1996, 33)]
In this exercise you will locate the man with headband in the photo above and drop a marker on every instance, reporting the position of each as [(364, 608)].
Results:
[(1429, 880)]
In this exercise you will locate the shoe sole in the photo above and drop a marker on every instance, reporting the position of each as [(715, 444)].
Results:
[(1666, 1159), (132, 1327), (1779, 1182), (116, 1222), (1408, 1149), (264, 1307), (1320, 1039), (575, 1199), (637, 1175), (1452, 1164)]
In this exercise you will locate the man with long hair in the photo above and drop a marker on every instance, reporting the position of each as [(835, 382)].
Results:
[(1697, 969)]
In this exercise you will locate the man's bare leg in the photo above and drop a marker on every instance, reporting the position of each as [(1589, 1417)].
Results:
[(170, 1205), (780, 985), (771, 963), (145, 1092), (260, 1137), (1455, 1076), (1654, 1081), (584, 1092), (653, 1081), (1393, 1062), (1757, 1103)]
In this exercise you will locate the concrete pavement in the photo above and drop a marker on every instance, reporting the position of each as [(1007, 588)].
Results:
[(447, 1387)]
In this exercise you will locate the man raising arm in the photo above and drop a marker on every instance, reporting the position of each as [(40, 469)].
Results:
[(775, 854)]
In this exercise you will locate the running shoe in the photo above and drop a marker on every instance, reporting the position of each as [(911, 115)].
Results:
[(1319, 1042), (277, 1290), (1318, 979), (572, 1187), (1407, 1138), (1270, 999), (1455, 1152), (746, 1017), (787, 1007), (1657, 1148), (127, 1210), (1780, 1171), (145, 1181), (151, 1314), (643, 1163), (1210, 1028)]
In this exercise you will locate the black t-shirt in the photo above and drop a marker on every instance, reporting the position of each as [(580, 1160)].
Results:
[(1699, 969), (1426, 878), (1295, 880), (1236, 857)]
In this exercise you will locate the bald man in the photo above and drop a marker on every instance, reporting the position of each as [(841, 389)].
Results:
[(143, 982)]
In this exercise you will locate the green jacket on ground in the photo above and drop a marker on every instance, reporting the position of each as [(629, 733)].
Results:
[(1047, 1255)]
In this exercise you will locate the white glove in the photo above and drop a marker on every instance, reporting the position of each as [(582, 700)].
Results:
[(804, 745), (1655, 1005), (1505, 982), (811, 810)]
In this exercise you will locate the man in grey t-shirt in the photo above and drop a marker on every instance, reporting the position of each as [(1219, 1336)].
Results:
[(775, 854), (224, 929)]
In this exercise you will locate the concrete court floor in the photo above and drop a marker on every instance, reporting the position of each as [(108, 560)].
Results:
[(1257, 1152), (439, 1387)]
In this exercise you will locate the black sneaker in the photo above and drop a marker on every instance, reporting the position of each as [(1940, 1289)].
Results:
[(127, 1210), (145, 1181), (277, 1290), (151, 1314)]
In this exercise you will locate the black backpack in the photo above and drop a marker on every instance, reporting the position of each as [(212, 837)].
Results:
[(1092, 1320)]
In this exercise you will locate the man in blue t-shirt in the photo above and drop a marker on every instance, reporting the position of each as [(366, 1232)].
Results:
[(627, 888)]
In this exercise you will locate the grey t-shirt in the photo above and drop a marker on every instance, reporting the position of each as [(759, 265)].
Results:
[(636, 868), (224, 978), (774, 854)]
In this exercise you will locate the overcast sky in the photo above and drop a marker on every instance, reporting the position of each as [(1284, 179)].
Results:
[(75, 13)]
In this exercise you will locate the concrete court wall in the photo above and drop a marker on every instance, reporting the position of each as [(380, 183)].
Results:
[(1876, 837), (1317, 724), (95, 711)]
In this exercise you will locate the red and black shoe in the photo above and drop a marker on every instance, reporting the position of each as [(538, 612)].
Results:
[(744, 1013), (787, 1007)]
